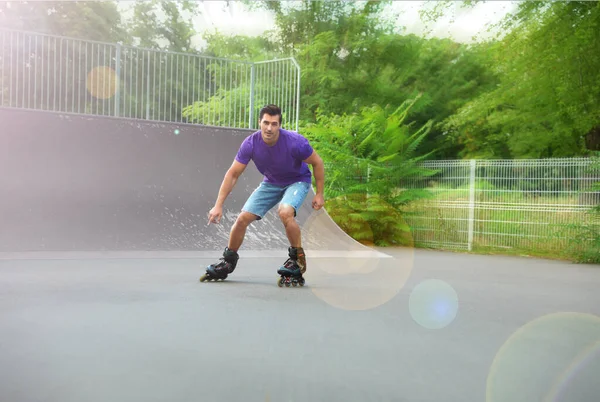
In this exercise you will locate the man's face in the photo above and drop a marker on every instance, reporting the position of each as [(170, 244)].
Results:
[(269, 126)]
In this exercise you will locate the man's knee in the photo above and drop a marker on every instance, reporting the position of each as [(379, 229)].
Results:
[(245, 218), (286, 212)]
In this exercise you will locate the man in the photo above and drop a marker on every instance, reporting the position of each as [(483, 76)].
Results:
[(282, 157)]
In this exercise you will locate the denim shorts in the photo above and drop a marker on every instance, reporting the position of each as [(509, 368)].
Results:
[(267, 195)]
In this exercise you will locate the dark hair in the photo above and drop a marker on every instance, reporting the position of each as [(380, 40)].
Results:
[(272, 110)]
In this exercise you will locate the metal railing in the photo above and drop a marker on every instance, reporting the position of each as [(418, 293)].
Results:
[(54, 73), (504, 203)]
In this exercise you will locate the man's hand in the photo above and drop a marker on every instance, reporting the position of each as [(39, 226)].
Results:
[(319, 173), (231, 177), (215, 214), (318, 202)]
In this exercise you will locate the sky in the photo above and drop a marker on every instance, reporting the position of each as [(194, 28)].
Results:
[(235, 19)]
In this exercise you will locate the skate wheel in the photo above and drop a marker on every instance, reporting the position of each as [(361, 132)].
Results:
[(204, 278), (280, 282)]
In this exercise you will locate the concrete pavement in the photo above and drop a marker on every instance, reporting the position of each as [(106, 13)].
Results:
[(450, 327)]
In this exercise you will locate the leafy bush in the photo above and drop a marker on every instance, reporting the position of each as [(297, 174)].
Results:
[(370, 162)]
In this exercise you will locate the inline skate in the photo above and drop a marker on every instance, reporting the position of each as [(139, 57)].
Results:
[(222, 269), (292, 269)]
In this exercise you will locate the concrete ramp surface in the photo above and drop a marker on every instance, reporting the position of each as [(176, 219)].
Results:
[(93, 183)]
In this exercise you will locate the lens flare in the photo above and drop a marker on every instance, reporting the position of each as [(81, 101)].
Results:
[(348, 275), (359, 283), (433, 304), (102, 82), (576, 378), (535, 361)]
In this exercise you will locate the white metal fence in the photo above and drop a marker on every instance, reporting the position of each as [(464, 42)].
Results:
[(54, 73), (504, 203)]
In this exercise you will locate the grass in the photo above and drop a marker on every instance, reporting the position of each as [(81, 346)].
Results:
[(544, 225)]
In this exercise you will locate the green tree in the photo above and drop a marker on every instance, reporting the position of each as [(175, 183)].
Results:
[(350, 73), (546, 102), (100, 21), (298, 23), (174, 32), (177, 76), (240, 47)]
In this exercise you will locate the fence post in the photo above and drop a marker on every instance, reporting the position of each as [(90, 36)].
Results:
[(297, 92), (472, 201), (252, 74), (117, 80), (148, 89)]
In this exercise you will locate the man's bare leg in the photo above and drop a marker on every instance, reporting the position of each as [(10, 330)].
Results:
[(292, 229), (238, 230), (294, 235)]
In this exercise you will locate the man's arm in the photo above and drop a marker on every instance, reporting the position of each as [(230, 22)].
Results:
[(229, 181), (319, 172), (231, 177)]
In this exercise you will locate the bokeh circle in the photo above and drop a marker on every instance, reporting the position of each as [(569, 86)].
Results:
[(102, 82), (433, 304), (537, 361)]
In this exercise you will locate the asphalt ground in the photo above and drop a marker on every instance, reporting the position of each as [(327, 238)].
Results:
[(417, 326)]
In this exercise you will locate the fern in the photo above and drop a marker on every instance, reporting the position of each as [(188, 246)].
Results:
[(369, 158)]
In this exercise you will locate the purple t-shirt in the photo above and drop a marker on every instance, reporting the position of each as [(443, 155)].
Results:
[(281, 164)]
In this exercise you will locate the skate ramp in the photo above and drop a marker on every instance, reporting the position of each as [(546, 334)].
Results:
[(73, 183)]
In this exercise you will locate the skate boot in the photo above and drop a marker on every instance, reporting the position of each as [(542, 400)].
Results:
[(222, 269), (292, 269)]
